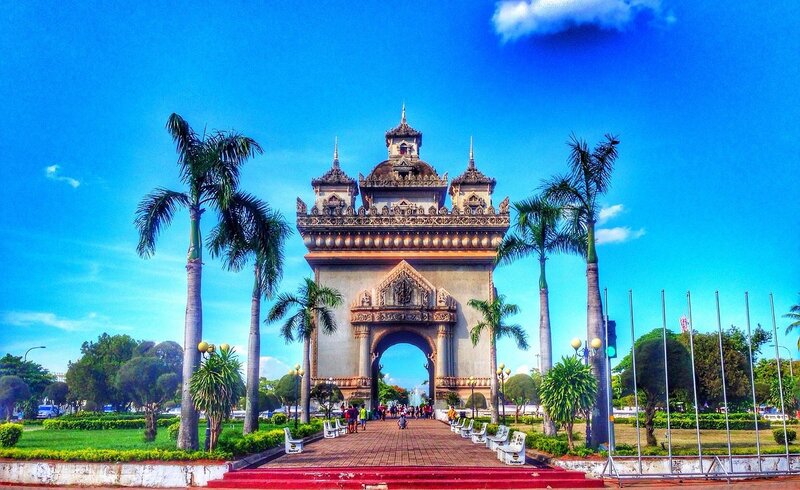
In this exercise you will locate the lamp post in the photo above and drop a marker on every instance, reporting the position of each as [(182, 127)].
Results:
[(207, 348), (329, 382), (502, 376), (472, 382), (791, 371), (297, 372), (586, 353), (25, 357)]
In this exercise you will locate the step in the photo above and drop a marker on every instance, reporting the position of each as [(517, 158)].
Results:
[(400, 482), (417, 473)]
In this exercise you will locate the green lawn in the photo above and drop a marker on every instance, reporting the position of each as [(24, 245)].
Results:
[(685, 440), (35, 437)]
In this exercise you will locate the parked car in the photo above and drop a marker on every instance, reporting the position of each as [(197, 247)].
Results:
[(238, 414), (48, 412)]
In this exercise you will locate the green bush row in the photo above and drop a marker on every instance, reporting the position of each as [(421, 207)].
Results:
[(102, 424), (689, 423), (630, 450), (10, 434), (778, 435), (232, 441), (86, 415), (112, 455)]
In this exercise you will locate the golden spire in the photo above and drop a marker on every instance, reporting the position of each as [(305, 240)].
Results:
[(336, 152)]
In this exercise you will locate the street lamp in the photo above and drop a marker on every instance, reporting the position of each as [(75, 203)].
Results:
[(592, 349), (330, 383), (791, 371), (502, 376), (25, 357), (297, 372), (472, 382), (207, 348)]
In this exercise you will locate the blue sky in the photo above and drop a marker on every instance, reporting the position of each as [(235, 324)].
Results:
[(703, 97)]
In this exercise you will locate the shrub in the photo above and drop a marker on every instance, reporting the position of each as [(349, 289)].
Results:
[(279, 418), (100, 455), (791, 435), (229, 439), (10, 434), (173, 429), (85, 423)]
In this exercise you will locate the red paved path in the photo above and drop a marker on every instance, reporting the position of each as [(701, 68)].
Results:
[(423, 443)]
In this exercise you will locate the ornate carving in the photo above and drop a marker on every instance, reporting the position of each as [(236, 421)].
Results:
[(504, 206), (365, 298), (301, 206), (403, 291)]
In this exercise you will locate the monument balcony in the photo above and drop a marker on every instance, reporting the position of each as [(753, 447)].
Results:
[(461, 382)]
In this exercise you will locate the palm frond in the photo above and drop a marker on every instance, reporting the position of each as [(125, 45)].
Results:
[(155, 212), (514, 247), (283, 303), (476, 331), (294, 327), (514, 332), (568, 240), (327, 322)]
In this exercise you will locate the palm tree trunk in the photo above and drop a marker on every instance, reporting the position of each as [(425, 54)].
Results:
[(253, 357), (493, 377), (595, 328), (545, 340), (193, 332), (305, 385)]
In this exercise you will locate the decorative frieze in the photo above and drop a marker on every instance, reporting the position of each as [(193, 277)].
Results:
[(461, 382)]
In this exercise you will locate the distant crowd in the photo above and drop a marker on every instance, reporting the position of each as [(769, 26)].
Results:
[(357, 416)]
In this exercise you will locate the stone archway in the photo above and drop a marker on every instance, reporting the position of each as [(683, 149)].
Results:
[(391, 337)]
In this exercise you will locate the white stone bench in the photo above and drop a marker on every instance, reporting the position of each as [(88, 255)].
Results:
[(513, 453), (458, 426), (341, 428), (293, 446), (329, 431), (480, 436), (492, 442), (466, 432)]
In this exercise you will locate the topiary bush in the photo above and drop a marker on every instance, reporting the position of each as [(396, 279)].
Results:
[(10, 434), (173, 429), (279, 418), (230, 441), (791, 435)]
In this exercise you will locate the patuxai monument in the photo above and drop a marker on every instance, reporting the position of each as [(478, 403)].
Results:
[(407, 260)]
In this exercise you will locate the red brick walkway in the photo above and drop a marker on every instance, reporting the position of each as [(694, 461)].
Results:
[(423, 443)]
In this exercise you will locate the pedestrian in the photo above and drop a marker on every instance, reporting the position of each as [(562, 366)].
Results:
[(402, 422), (362, 416)]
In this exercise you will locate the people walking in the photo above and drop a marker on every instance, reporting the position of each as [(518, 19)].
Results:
[(362, 417), (402, 422)]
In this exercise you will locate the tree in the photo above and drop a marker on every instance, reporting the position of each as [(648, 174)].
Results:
[(494, 312), (215, 387), (34, 375), (650, 376), (567, 390), (209, 166), (794, 315), (171, 353), (452, 399), (286, 391), (12, 391), (326, 395), (521, 390), (478, 400), (577, 192), (93, 376), (150, 382), (251, 232), (791, 394), (311, 304), (537, 233), (56, 392)]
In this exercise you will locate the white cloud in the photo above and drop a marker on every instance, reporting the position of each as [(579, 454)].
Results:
[(270, 367), (617, 235), (52, 173), (606, 214), (517, 18), (523, 369), (92, 321)]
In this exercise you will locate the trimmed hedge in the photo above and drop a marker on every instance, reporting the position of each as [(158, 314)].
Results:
[(708, 421), (102, 424), (777, 434), (279, 418), (112, 455), (10, 434), (232, 441), (173, 429)]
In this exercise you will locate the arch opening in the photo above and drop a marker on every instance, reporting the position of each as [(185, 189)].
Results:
[(406, 338)]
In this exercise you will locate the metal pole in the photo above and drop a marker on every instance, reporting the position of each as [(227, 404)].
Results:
[(724, 389), (25, 357), (694, 383), (780, 379), (296, 405), (635, 388), (666, 375), (610, 423), (752, 378)]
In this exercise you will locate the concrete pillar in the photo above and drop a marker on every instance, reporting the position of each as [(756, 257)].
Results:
[(364, 361), (442, 351)]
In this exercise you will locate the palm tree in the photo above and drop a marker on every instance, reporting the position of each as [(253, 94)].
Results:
[(495, 311), (209, 167), (313, 304), (537, 233), (577, 192), (215, 387), (252, 231), (568, 390), (794, 314)]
